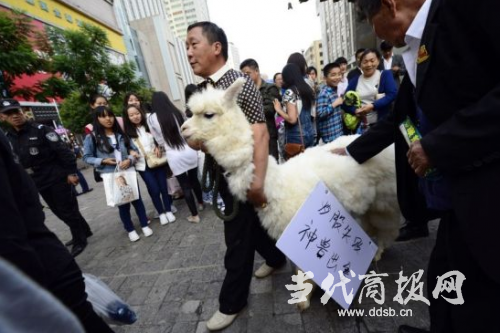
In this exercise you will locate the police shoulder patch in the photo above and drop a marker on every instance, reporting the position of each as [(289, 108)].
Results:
[(52, 136), (34, 151)]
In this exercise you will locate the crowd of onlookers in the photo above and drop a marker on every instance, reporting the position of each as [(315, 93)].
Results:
[(303, 110)]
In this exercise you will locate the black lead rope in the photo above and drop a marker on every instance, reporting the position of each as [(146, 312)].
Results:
[(210, 181)]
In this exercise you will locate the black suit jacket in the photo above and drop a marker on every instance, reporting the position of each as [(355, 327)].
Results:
[(459, 93)]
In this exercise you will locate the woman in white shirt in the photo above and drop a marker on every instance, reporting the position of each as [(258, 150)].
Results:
[(134, 121), (165, 122), (376, 89)]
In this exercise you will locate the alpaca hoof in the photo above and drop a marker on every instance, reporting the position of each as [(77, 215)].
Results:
[(302, 306)]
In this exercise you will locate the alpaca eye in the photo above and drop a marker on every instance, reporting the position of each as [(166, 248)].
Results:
[(209, 115)]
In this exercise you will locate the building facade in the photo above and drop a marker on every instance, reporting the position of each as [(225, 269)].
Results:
[(341, 31), (161, 52), (233, 59), (64, 15), (139, 9), (314, 55), (182, 13), (134, 51), (71, 14)]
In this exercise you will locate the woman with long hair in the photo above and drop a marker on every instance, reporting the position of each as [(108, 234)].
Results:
[(95, 101), (107, 147), (131, 98), (136, 128), (299, 60), (297, 101), (165, 122)]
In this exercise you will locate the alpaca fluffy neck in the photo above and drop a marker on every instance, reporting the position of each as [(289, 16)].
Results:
[(234, 153)]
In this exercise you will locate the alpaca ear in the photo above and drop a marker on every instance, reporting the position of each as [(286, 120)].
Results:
[(231, 93)]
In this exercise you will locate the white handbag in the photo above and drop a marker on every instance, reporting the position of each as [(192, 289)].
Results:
[(151, 159), (120, 187)]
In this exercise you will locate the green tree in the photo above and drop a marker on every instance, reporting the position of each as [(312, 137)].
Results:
[(82, 57), (77, 61), (17, 56)]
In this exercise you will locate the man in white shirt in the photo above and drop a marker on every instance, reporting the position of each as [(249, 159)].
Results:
[(342, 87), (207, 53), (392, 61), (452, 96)]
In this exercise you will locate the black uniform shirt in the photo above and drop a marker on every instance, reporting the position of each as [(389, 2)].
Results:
[(43, 154), (25, 241)]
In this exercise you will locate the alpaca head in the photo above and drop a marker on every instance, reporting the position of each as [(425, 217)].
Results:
[(219, 123)]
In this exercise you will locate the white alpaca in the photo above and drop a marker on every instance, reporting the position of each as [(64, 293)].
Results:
[(367, 191)]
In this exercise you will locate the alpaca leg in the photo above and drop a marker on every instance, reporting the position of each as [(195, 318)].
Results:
[(302, 306), (384, 227)]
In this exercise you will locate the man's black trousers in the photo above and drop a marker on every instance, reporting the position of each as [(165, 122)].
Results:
[(481, 294), (61, 199), (243, 235)]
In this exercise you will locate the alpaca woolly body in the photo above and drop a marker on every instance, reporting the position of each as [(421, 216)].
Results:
[(367, 191)]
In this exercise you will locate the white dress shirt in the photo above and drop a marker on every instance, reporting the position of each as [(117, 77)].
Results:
[(388, 63), (413, 39)]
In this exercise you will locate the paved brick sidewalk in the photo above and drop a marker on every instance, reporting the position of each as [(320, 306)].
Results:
[(172, 279)]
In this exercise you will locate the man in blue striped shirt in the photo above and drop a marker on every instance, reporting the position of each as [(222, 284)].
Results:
[(328, 104)]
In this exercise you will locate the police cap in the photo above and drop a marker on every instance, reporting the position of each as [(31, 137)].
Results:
[(8, 104)]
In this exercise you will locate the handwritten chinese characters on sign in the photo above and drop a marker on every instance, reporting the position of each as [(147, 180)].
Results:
[(324, 238)]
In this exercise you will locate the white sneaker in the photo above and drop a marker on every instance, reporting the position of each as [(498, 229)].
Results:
[(201, 207), (147, 231), (220, 320), (133, 236), (173, 209), (263, 271), (170, 217), (163, 219)]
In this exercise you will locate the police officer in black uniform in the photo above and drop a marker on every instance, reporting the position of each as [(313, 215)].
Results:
[(51, 165), (29, 245)]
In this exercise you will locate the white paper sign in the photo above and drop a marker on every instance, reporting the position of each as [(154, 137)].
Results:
[(324, 238)]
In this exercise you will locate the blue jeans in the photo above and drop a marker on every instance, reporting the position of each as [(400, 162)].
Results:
[(83, 181), (140, 210), (156, 183)]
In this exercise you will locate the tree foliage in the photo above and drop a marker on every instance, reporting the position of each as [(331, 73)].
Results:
[(17, 56), (26, 51), (82, 57), (77, 61)]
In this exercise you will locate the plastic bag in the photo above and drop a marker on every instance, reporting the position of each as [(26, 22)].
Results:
[(173, 186), (106, 303), (120, 187)]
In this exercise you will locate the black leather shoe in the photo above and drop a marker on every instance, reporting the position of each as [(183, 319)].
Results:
[(77, 249), (89, 190), (410, 231), (409, 329), (71, 242)]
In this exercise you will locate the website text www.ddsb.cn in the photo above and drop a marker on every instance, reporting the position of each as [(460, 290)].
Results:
[(375, 312)]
